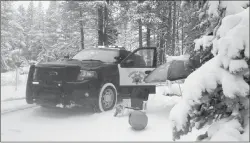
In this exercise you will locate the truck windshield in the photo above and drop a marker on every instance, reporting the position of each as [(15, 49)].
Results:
[(103, 55)]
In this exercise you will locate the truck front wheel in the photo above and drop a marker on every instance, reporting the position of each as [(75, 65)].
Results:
[(107, 97)]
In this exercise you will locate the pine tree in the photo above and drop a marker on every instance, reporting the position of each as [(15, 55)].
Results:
[(223, 100), (30, 30), (107, 32), (51, 29), (11, 36), (39, 28)]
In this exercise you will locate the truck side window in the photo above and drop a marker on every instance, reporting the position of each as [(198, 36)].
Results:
[(143, 58)]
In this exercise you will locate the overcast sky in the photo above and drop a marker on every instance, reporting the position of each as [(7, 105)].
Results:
[(26, 3)]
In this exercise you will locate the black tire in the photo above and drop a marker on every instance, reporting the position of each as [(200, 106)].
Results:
[(29, 98), (29, 92), (29, 101), (108, 91)]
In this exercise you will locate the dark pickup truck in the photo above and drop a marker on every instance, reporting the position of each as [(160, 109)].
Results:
[(96, 76)]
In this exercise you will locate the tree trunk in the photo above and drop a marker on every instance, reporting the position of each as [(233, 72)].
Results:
[(140, 33), (169, 35), (148, 37), (125, 29), (182, 36), (162, 51), (81, 29), (174, 28), (100, 26), (105, 26), (177, 32), (154, 38), (148, 45), (140, 28), (159, 51)]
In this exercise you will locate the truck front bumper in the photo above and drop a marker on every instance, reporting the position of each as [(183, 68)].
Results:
[(67, 93)]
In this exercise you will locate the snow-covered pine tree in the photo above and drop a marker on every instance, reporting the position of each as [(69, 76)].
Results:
[(20, 18), (217, 93), (39, 28), (194, 23), (69, 27), (127, 31), (68, 30), (12, 36), (51, 26), (31, 31)]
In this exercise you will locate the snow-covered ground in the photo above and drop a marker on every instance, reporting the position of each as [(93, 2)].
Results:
[(12, 93), (40, 124), (10, 89), (13, 105), (82, 124)]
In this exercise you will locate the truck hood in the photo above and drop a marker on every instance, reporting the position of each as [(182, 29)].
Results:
[(86, 65)]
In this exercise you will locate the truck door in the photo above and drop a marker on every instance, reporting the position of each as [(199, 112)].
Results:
[(136, 66)]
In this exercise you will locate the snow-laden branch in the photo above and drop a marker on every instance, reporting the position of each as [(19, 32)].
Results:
[(231, 51)]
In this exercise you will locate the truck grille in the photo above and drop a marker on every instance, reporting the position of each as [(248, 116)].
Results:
[(51, 74)]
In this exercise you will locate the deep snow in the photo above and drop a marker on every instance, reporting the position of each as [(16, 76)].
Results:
[(40, 124)]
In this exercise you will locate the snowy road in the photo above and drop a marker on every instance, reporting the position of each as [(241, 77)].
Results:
[(40, 124)]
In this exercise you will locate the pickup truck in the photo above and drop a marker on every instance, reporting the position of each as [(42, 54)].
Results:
[(96, 77)]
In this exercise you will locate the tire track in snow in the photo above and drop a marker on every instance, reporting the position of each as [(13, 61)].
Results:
[(17, 109), (12, 99)]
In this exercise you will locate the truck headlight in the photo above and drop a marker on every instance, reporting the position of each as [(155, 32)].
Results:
[(86, 75)]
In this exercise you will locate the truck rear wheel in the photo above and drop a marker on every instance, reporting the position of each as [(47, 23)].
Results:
[(107, 97)]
